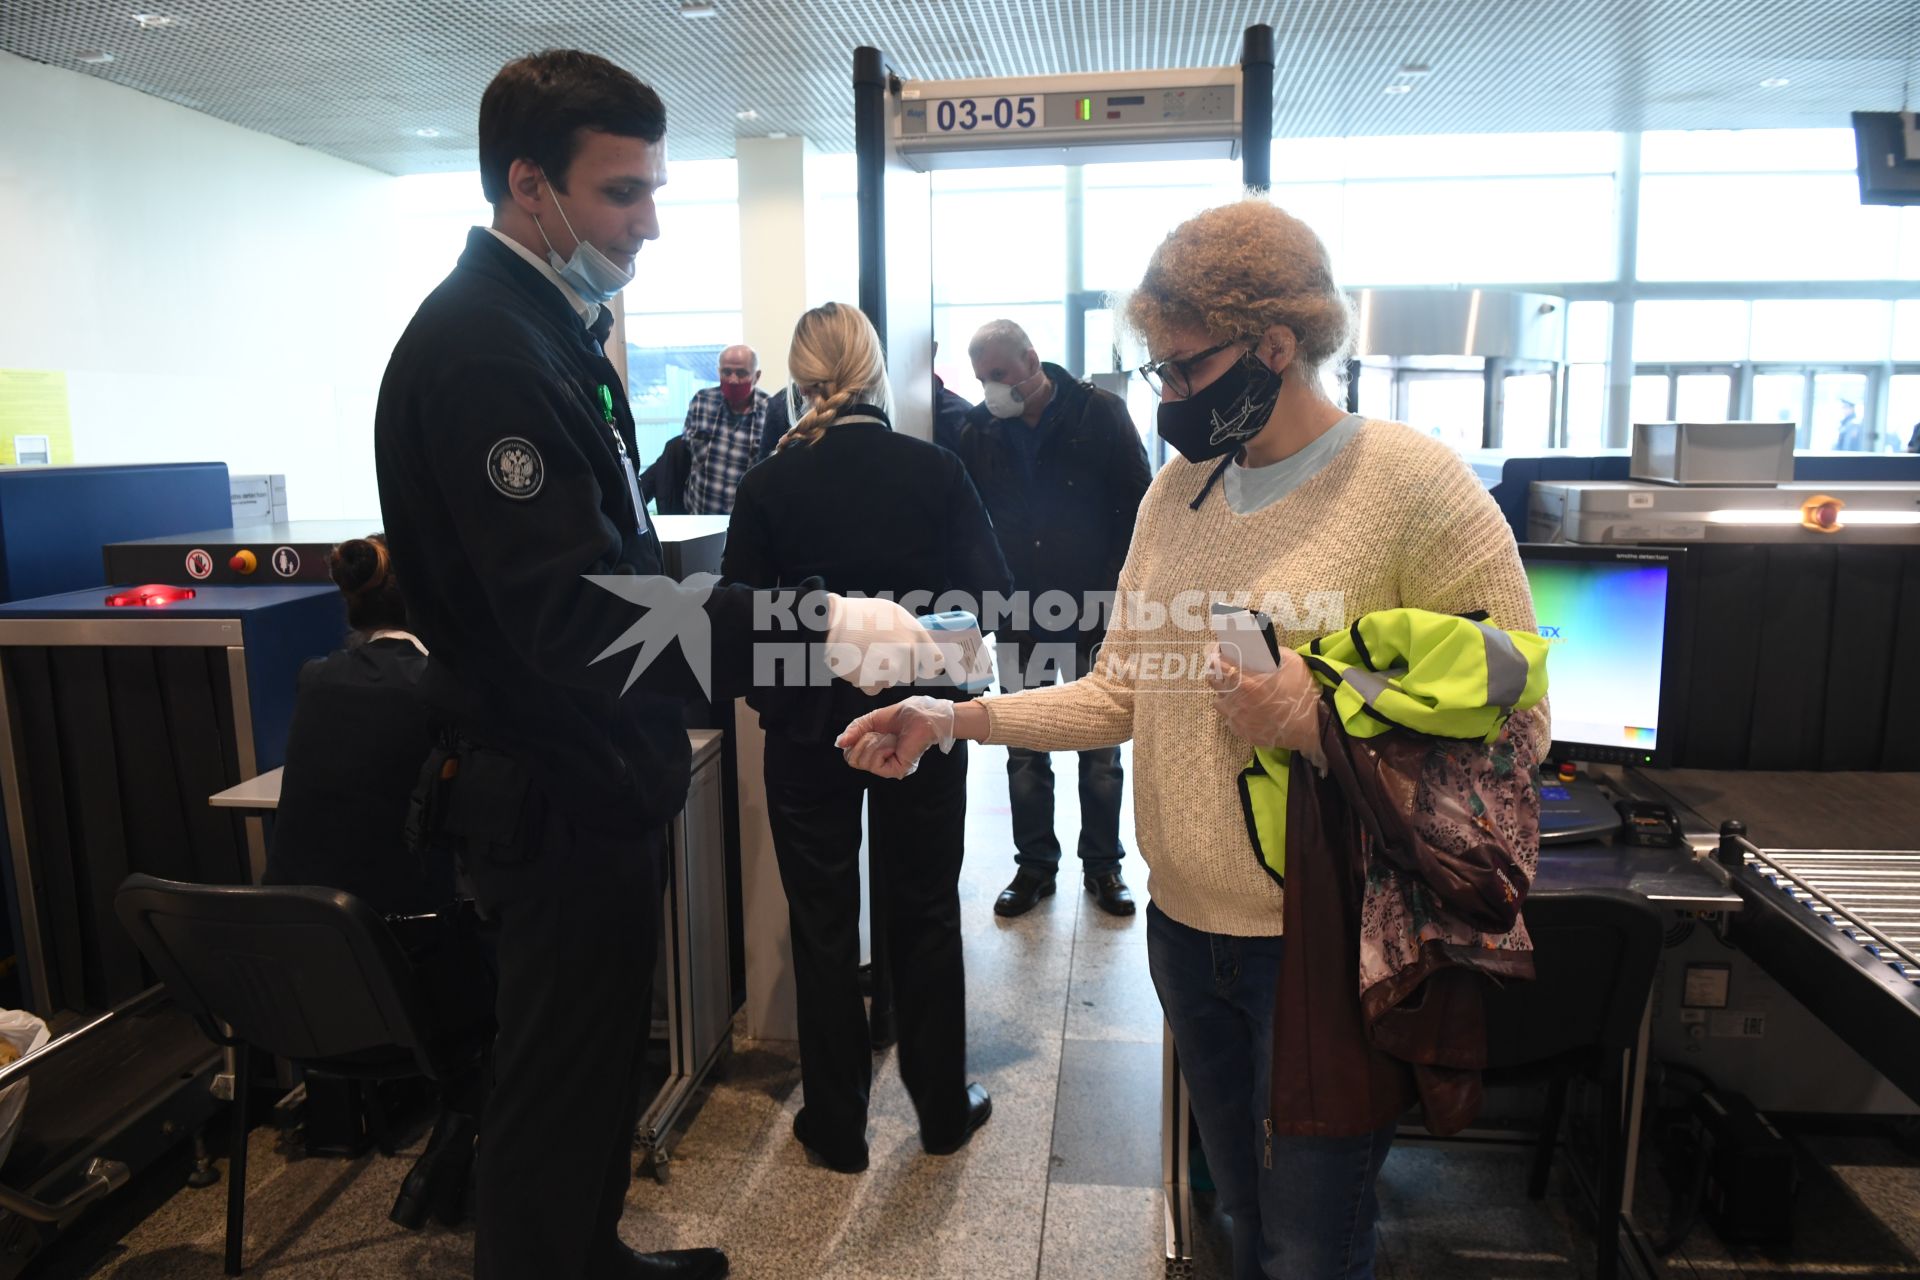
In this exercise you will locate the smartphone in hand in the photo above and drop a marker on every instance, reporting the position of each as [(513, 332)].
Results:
[(1246, 638)]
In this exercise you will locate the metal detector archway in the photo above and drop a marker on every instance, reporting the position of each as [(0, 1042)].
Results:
[(905, 128)]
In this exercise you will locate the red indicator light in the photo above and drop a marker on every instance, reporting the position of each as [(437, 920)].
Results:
[(155, 596)]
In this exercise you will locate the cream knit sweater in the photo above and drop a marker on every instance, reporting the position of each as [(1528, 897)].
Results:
[(1394, 519)]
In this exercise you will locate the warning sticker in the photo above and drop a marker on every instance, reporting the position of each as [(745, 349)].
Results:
[(1739, 1026)]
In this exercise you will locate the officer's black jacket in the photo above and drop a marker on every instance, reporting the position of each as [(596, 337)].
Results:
[(870, 512), (1070, 531), (501, 485), (360, 730)]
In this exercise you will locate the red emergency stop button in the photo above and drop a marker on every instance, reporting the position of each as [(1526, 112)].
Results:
[(244, 562), (1821, 514)]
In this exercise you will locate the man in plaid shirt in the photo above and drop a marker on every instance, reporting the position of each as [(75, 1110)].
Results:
[(723, 433)]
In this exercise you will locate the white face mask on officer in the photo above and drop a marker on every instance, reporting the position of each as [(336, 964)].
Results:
[(1009, 399), (591, 273)]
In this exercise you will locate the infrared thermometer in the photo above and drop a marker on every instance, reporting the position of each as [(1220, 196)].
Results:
[(957, 635)]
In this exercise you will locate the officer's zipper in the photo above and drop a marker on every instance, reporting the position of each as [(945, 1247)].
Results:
[(1269, 1159)]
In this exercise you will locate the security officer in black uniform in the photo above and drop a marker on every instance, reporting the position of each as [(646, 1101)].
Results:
[(504, 445)]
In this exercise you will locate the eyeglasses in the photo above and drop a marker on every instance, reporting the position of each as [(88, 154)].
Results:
[(1177, 375)]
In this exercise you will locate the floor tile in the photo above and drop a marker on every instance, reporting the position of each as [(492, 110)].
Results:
[(930, 1219), (1432, 1174), (1103, 1233), (1106, 1128), (1110, 994), (1485, 1242)]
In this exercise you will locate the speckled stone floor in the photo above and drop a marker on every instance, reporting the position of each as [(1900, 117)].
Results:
[(1063, 1183)]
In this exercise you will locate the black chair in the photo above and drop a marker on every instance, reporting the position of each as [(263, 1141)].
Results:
[(311, 975), (1595, 952)]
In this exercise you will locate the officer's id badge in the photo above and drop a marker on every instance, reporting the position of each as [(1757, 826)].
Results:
[(514, 467)]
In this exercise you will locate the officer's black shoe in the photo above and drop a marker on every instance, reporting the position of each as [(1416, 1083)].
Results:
[(841, 1158), (1028, 888), (883, 1029), (979, 1108), (674, 1264), (437, 1183), (1110, 893)]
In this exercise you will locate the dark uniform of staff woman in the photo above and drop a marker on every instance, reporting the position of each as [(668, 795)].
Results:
[(504, 446), (360, 731), (813, 510)]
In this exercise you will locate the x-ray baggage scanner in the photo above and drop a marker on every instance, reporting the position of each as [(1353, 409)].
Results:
[(905, 128)]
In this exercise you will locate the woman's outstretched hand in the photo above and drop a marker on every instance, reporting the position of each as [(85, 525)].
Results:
[(890, 741)]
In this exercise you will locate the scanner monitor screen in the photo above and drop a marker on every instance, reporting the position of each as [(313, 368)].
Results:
[(1604, 613)]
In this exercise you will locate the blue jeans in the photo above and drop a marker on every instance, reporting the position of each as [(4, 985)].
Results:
[(1030, 796), (1302, 1208), (1029, 662)]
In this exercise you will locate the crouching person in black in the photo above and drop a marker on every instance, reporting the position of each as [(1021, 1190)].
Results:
[(361, 730)]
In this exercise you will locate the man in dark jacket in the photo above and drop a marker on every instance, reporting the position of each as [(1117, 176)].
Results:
[(1062, 471), (505, 457), (950, 411)]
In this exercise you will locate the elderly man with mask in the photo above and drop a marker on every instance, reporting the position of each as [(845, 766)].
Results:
[(1062, 471), (723, 429)]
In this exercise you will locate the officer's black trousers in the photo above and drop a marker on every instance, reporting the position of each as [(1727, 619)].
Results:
[(917, 836), (577, 920)]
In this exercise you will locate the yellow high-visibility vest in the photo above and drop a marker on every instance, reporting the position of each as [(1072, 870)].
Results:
[(1438, 674)]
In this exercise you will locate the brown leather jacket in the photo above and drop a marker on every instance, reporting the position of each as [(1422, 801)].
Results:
[(1406, 866)]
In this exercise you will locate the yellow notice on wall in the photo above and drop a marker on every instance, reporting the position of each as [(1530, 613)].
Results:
[(35, 426)]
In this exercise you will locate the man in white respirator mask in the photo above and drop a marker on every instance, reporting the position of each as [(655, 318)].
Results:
[(1062, 471)]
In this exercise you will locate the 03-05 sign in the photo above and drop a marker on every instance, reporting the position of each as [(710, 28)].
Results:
[(986, 115)]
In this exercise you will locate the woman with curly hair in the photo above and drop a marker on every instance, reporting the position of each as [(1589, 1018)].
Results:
[(1317, 516)]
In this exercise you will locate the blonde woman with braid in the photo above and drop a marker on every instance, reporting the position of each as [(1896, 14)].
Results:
[(873, 512)]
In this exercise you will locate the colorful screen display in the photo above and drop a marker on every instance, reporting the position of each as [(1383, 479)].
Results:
[(1605, 623)]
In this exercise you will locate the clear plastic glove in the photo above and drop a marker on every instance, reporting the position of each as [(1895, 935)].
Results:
[(1269, 709), (876, 644), (891, 741)]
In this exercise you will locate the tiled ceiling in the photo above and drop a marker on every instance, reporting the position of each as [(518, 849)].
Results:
[(396, 85)]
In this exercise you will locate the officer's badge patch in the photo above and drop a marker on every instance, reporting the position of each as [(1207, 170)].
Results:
[(514, 467)]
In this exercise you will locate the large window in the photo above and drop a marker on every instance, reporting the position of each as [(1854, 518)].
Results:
[(1131, 207), (1762, 287), (999, 252), (1825, 365), (1460, 209), (683, 307), (1766, 205)]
